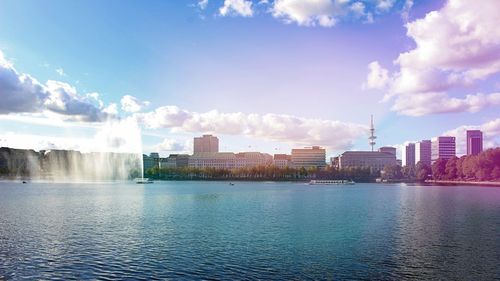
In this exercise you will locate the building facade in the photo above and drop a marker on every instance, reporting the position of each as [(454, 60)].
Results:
[(313, 157), (282, 160), (174, 161), (408, 155), (423, 152), (229, 160), (206, 143), (443, 148), (375, 160), (474, 142)]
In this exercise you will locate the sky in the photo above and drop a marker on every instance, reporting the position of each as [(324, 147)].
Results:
[(261, 75)]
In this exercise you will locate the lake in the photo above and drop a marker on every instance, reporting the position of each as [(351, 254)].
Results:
[(211, 230)]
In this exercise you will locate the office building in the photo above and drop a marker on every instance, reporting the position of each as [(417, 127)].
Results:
[(309, 157), (408, 155), (443, 148), (474, 142), (423, 152), (151, 161), (282, 160), (375, 160), (174, 161), (229, 160), (206, 143)]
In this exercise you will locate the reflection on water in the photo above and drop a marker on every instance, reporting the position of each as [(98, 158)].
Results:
[(194, 230)]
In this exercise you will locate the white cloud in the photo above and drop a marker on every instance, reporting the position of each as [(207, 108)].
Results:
[(171, 145), (385, 5), (237, 7), (61, 72), (132, 104), (309, 12), (283, 128), (22, 93), (456, 46), (202, 4), (378, 77)]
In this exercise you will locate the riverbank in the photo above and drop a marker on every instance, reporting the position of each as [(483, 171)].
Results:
[(482, 183)]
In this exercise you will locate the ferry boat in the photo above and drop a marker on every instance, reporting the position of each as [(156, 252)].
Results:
[(143, 180), (331, 182)]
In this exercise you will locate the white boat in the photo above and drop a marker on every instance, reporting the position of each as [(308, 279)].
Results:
[(143, 180), (331, 182)]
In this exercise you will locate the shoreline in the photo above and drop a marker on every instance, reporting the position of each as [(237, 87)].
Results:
[(455, 182)]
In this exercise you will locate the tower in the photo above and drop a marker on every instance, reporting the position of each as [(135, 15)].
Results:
[(372, 135)]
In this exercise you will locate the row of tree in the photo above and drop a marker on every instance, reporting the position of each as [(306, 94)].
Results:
[(261, 173), (482, 167)]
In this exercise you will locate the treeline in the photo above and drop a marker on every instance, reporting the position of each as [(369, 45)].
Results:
[(261, 173), (482, 167)]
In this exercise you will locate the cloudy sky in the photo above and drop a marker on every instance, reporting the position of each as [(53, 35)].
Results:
[(262, 75)]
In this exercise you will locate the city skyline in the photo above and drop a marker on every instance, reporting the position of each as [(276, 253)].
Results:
[(212, 67)]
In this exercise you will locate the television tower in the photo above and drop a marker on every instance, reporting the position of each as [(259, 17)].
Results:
[(372, 135)]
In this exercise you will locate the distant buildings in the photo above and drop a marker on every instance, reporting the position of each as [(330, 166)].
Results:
[(375, 160), (174, 161), (206, 143), (312, 157), (229, 160), (474, 142), (443, 147), (151, 161), (423, 152), (408, 155), (282, 160)]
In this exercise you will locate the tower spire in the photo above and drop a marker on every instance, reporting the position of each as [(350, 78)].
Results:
[(372, 134)]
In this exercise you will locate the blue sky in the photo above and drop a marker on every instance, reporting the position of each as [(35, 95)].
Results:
[(285, 75)]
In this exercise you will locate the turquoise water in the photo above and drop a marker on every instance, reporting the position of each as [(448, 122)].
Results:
[(211, 230)]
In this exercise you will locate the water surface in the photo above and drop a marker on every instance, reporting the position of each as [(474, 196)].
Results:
[(211, 230)]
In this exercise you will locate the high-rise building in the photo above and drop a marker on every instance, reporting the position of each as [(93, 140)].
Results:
[(314, 157), (408, 155), (423, 153), (474, 142), (282, 160), (443, 148), (206, 143)]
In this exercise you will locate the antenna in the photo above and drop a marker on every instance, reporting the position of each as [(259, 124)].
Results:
[(372, 135)]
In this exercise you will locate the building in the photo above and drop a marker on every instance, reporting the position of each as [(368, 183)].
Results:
[(423, 153), (375, 160), (206, 143), (151, 161), (334, 162), (229, 160), (474, 142), (313, 157), (174, 161), (253, 159), (282, 160), (388, 149), (408, 155), (443, 148)]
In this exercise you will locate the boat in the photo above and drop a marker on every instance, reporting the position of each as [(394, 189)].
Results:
[(331, 182), (231, 183), (143, 180)]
